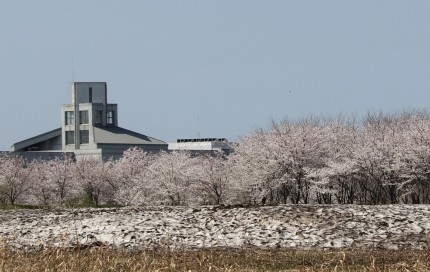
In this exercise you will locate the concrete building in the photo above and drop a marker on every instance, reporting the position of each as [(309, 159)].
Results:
[(89, 127), (202, 145)]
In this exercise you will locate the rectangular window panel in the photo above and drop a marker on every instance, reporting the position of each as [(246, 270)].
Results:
[(110, 118), (70, 137), (83, 117), (99, 117), (85, 136), (70, 117)]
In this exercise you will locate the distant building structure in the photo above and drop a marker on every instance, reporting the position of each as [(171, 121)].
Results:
[(89, 127), (202, 145)]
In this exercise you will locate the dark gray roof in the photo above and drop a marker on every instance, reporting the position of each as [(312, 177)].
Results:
[(36, 139), (118, 135)]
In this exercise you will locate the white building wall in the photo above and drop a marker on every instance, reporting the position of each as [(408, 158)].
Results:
[(191, 146), (200, 146), (88, 154)]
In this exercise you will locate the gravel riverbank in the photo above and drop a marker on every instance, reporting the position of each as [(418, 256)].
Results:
[(291, 226)]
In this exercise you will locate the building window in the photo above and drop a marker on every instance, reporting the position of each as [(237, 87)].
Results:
[(110, 117), (99, 117), (70, 137), (84, 136), (83, 117), (70, 117)]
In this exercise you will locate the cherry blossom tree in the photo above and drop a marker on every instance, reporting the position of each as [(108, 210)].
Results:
[(41, 192), (95, 179), (414, 157), (173, 181), (60, 173), (133, 183), (340, 170), (213, 178), (15, 176), (385, 159), (277, 166)]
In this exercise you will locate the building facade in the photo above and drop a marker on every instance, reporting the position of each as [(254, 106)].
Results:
[(89, 128), (203, 145)]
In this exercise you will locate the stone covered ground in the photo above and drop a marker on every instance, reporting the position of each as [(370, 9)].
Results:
[(289, 226)]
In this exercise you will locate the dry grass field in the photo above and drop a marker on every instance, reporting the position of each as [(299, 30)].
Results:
[(105, 259)]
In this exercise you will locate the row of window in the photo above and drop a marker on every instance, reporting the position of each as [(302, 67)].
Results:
[(83, 117), (84, 137)]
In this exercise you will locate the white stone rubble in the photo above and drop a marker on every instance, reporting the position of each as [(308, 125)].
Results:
[(289, 226)]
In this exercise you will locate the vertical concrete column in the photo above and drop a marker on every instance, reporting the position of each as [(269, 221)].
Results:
[(76, 110)]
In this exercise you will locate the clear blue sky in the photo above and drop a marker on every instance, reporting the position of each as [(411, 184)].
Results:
[(218, 68)]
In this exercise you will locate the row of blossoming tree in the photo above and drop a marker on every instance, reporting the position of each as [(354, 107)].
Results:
[(384, 159)]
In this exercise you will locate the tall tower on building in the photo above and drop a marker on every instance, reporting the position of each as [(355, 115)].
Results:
[(89, 109)]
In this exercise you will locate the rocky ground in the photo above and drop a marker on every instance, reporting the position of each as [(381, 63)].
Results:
[(290, 226)]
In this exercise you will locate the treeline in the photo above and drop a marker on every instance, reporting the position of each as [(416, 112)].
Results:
[(383, 159)]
